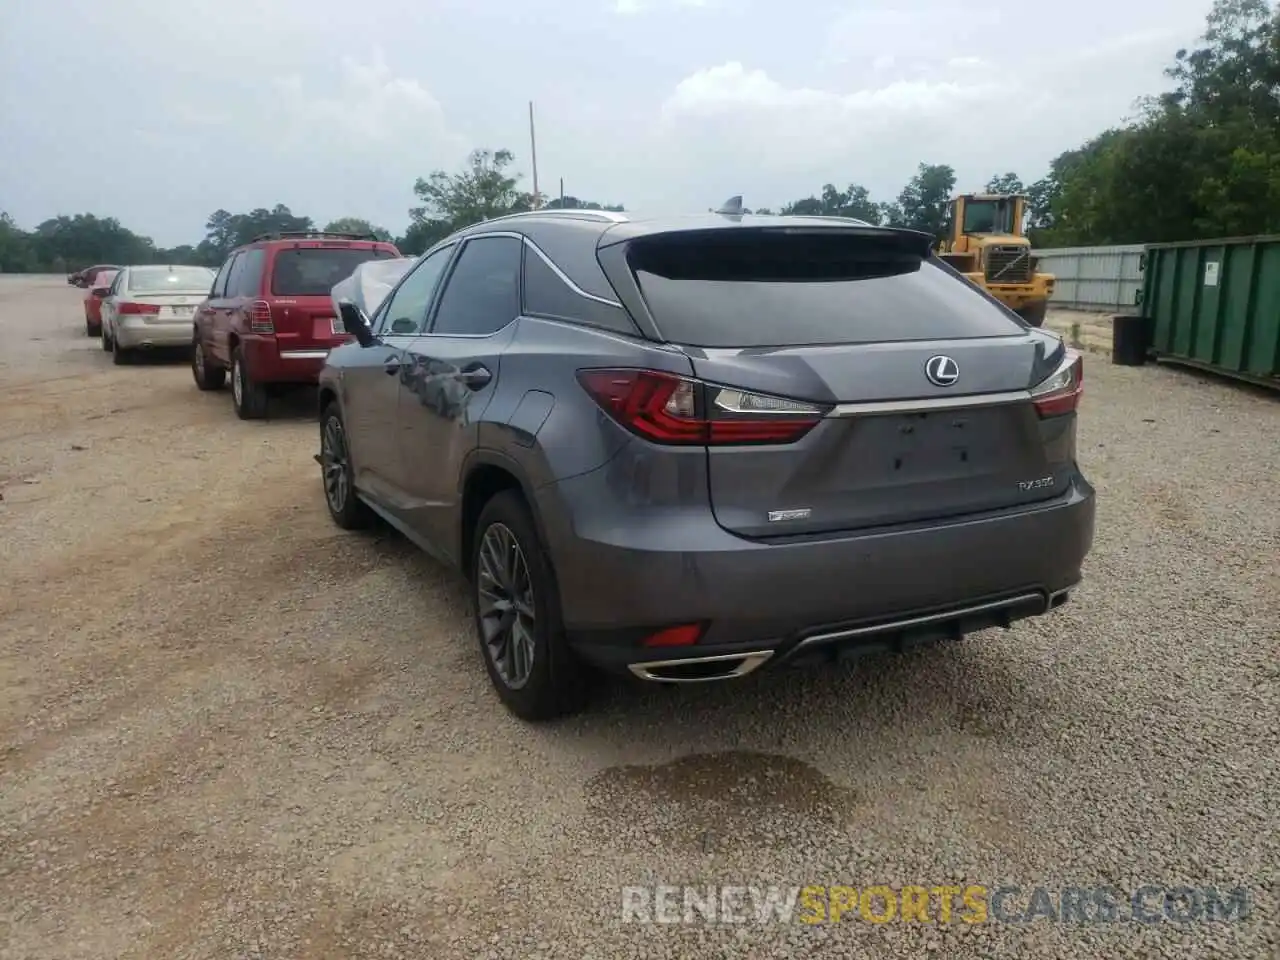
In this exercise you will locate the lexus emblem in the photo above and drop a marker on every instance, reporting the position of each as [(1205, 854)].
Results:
[(942, 371)]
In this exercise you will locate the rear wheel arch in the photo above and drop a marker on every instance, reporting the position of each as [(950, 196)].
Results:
[(487, 475)]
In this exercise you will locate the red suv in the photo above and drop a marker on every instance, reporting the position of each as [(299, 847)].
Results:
[(269, 317)]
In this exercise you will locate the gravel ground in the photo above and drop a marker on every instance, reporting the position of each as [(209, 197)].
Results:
[(229, 730)]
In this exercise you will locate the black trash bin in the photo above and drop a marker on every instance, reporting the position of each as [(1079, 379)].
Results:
[(1130, 340)]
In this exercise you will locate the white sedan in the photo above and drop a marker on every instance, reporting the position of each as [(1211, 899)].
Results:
[(152, 306)]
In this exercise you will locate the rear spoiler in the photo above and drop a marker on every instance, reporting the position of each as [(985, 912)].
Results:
[(895, 239)]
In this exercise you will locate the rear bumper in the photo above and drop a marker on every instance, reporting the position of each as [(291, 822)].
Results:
[(789, 599), (133, 333), (272, 360)]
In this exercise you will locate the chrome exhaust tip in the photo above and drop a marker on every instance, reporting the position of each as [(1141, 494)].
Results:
[(701, 669), (1057, 599)]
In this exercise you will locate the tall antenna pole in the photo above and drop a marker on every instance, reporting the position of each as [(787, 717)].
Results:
[(562, 191), (533, 150)]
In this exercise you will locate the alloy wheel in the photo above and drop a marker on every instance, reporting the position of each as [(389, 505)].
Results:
[(504, 599), (197, 362), (333, 464), (237, 383)]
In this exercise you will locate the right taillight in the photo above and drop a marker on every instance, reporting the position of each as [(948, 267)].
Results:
[(1060, 392), (669, 409), (260, 317)]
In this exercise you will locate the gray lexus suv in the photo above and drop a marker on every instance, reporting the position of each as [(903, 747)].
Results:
[(690, 448)]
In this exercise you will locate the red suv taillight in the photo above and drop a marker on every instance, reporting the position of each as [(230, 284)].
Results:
[(1060, 392), (260, 317), (665, 408), (138, 309)]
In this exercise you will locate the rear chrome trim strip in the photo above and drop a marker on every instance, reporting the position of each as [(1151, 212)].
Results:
[(750, 662), (927, 404), (895, 625), (303, 354)]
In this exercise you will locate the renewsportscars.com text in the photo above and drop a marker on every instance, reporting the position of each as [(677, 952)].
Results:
[(942, 903)]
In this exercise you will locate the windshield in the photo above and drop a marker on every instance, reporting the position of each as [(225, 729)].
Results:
[(988, 216), (170, 279), (315, 271)]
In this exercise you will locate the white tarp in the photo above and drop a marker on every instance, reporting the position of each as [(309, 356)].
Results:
[(369, 285)]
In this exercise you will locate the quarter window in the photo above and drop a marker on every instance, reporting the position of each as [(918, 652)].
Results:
[(220, 281)]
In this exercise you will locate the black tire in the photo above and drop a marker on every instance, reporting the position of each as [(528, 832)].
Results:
[(206, 375), (119, 355), (106, 340), (556, 682), (1034, 313), (248, 397), (347, 510), (90, 330)]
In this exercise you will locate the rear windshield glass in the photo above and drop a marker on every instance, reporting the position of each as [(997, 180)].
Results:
[(175, 279), (797, 289), (315, 271)]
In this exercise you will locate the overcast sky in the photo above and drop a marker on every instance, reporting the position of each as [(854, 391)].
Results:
[(160, 111)]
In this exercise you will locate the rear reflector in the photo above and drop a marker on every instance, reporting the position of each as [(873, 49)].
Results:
[(260, 317), (684, 636), (1060, 392), (668, 409), (138, 309)]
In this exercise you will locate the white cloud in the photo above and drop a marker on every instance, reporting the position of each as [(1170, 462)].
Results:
[(732, 86), (629, 8), (371, 106)]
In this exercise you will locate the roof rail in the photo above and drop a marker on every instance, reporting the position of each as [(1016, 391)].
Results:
[(572, 213), (313, 234)]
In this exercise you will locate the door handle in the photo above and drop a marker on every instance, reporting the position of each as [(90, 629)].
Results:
[(391, 366), (475, 376)]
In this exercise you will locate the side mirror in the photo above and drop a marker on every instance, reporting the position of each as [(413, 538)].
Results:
[(356, 323)]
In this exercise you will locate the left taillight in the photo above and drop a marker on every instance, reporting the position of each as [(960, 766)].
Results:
[(138, 309), (260, 317), (1060, 392), (665, 408)]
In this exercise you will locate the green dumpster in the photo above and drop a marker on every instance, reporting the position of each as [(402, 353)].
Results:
[(1216, 304)]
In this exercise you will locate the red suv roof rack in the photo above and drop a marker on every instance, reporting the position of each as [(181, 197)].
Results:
[(314, 234)]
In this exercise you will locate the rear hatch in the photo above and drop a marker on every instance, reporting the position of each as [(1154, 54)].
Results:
[(849, 320), (303, 275)]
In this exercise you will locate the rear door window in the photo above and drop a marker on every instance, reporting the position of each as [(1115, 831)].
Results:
[(482, 294), (749, 289), (246, 279), (315, 271)]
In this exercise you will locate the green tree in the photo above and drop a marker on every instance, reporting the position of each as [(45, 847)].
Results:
[(1006, 183), (573, 203), (358, 226), (853, 201), (484, 190), (1202, 160), (224, 231), (923, 201)]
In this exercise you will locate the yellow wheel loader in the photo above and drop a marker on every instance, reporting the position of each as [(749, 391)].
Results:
[(985, 241)]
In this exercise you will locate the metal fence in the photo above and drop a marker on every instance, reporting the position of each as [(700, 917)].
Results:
[(1094, 278)]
